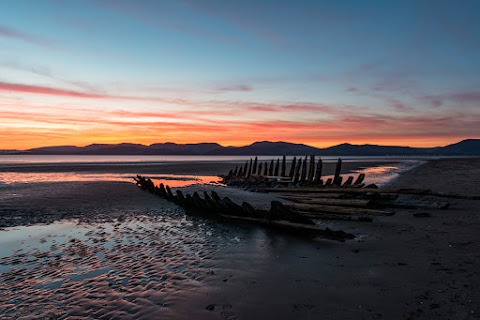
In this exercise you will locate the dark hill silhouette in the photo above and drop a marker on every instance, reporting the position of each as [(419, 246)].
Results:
[(468, 147)]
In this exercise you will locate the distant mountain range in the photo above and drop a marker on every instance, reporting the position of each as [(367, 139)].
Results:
[(468, 147)]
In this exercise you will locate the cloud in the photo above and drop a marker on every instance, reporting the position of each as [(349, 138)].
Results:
[(466, 97), (35, 89), (24, 88), (8, 32), (236, 88), (46, 72), (473, 96)]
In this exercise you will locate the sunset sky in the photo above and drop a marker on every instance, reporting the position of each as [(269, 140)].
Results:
[(235, 72)]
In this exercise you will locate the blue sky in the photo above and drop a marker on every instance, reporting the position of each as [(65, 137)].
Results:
[(239, 71)]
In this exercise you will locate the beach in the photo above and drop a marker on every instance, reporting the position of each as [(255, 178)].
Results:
[(106, 249)]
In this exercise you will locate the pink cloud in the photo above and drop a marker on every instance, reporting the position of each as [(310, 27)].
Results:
[(23, 88)]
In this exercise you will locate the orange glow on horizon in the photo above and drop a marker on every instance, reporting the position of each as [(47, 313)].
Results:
[(21, 141)]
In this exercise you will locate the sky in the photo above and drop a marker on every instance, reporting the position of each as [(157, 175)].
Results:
[(235, 72)]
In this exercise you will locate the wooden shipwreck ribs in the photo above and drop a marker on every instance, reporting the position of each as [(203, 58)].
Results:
[(303, 172), (307, 196), (278, 216)]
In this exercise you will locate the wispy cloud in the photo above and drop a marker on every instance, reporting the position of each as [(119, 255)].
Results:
[(24, 88), (236, 88), (46, 72), (461, 97), (8, 32), (36, 89)]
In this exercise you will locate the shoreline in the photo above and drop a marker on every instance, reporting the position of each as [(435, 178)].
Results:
[(398, 267)]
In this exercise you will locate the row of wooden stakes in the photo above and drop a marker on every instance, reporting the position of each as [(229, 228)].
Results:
[(279, 215), (303, 171)]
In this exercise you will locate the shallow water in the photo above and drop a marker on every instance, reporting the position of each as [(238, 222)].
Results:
[(144, 268), (380, 174), (384, 175), (40, 177)]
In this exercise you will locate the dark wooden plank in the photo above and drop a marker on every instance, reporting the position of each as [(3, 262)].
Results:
[(284, 166), (304, 171), (292, 168), (338, 169), (318, 172), (277, 167), (311, 169), (297, 171)]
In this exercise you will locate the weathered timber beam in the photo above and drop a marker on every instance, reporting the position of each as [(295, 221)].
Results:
[(311, 169), (362, 203), (260, 165), (337, 235), (318, 173), (284, 166), (348, 182), (313, 196), (336, 209), (347, 190), (250, 168), (297, 171), (359, 179), (292, 168), (304, 171), (277, 167), (338, 169), (328, 216)]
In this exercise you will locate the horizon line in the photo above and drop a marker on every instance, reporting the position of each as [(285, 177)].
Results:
[(235, 146)]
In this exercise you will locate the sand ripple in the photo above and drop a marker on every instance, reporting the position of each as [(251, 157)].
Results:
[(118, 270)]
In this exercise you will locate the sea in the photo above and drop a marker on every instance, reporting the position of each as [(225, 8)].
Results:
[(61, 168)]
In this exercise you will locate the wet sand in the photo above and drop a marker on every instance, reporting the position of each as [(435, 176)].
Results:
[(182, 168), (131, 255)]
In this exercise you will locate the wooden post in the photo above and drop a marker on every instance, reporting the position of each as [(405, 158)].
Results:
[(296, 175), (254, 170), (318, 173), (245, 167), (163, 192), (265, 169), (348, 182), (235, 172), (180, 197), (169, 192), (311, 169), (292, 168), (360, 178), (284, 166), (250, 168), (277, 166), (260, 168), (338, 168), (304, 171), (270, 170)]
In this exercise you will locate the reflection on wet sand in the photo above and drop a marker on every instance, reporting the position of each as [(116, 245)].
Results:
[(36, 177), (121, 270)]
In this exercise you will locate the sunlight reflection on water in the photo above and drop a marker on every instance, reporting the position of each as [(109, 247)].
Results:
[(41, 177)]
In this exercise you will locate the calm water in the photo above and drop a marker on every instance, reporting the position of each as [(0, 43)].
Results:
[(380, 174), (115, 160)]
